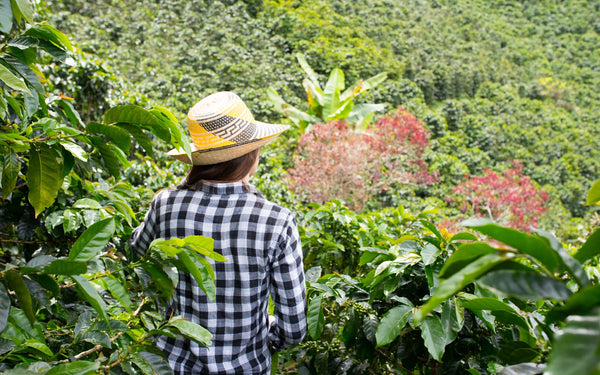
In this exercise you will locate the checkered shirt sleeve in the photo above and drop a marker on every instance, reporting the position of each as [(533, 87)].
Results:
[(260, 241)]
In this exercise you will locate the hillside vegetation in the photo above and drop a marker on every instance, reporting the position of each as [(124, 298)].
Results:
[(442, 164)]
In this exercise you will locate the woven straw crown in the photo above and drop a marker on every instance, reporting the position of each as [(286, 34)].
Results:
[(222, 128)]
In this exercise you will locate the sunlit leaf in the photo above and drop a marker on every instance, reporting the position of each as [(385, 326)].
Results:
[(12, 81), (6, 16), (91, 295), (74, 368), (93, 240), (192, 331), (118, 290), (44, 177), (392, 324), (594, 194), (590, 248), (22, 10)]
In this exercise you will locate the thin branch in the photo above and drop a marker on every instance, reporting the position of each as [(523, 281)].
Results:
[(398, 364)]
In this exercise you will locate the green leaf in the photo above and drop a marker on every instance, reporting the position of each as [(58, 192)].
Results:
[(433, 336), (459, 280), (74, 368), (580, 303), (4, 307), (178, 137), (22, 9), (66, 267), (453, 318), (288, 110), (90, 294), (93, 240), (315, 318), (71, 113), (12, 81), (16, 283), (363, 85), (463, 236), (430, 253), (10, 172), (312, 76), (26, 72), (6, 16), (159, 277), (590, 248), (392, 323), (118, 290), (140, 137), (535, 246), (40, 346), (44, 177), (501, 310), (463, 256), (576, 347), (115, 134), (200, 276), (159, 364), (46, 32), (133, 114), (528, 285), (594, 194), (110, 160), (331, 92), (192, 331)]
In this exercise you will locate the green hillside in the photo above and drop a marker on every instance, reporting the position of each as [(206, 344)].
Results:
[(442, 164)]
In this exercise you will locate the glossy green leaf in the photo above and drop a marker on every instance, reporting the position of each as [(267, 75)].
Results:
[(66, 267), (590, 248), (535, 246), (6, 16), (433, 336), (580, 303), (178, 138), (501, 310), (141, 138), (567, 262), (133, 114), (528, 285), (430, 253), (16, 283), (576, 347), (465, 255), (315, 318), (91, 295), (12, 81), (4, 307), (22, 10), (110, 159), (37, 345), (192, 331), (93, 240), (199, 273), (594, 194), (114, 133), (74, 368), (159, 364), (517, 352), (463, 236), (459, 280), (392, 323), (25, 71), (118, 290), (49, 33), (452, 318), (10, 172), (44, 177)]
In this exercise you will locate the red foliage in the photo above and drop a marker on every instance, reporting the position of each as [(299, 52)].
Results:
[(335, 162), (509, 198)]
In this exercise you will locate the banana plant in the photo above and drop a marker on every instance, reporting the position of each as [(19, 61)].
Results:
[(332, 102)]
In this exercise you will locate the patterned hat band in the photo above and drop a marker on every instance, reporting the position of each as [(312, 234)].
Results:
[(222, 128)]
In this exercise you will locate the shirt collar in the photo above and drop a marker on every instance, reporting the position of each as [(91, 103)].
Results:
[(223, 188)]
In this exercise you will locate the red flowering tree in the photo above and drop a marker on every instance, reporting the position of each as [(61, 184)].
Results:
[(509, 198), (334, 161)]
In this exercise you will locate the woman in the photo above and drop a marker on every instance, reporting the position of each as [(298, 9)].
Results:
[(258, 238)]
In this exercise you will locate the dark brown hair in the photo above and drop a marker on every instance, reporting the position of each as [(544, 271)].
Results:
[(227, 171)]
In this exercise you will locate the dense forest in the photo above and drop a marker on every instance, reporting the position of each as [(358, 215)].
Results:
[(441, 165)]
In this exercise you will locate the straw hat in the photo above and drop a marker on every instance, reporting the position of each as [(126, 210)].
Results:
[(222, 128)]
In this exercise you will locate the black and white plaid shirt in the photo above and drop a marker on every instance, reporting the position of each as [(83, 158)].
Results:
[(264, 257)]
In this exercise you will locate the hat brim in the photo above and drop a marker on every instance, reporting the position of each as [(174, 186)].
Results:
[(225, 153)]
